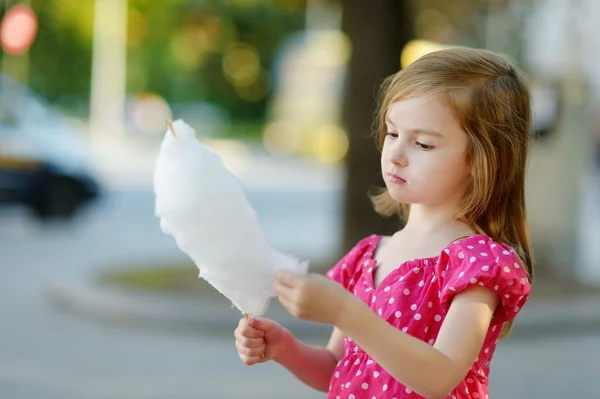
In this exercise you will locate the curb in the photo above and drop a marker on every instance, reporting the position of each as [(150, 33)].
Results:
[(214, 313)]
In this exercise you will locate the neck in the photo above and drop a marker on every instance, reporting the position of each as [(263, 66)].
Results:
[(425, 220)]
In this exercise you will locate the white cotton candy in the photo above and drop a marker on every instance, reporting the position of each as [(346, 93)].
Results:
[(203, 206)]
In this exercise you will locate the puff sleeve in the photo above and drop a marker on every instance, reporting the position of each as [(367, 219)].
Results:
[(481, 261), (344, 272)]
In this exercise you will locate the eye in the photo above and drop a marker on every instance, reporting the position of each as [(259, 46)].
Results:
[(393, 135), (424, 147)]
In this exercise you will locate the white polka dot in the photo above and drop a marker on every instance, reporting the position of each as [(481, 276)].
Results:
[(401, 278), (413, 306), (523, 280), (404, 329), (505, 252), (370, 362), (473, 280), (494, 328), (368, 289), (347, 385), (364, 385), (431, 341), (370, 269), (351, 396), (398, 313), (485, 268), (487, 350), (337, 374), (417, 316), (437, 317), (366, 263), (421, 283), (452, 289), (343, 266), (346, 363), (430, 304), (391, 301), (516, 265), (484, 254), (408, 390), (496, 288), (376, 374), (356, 349), (472, 259), (461, 255), (351, 281), (470, 246), (357, 362), (379, 311), (481, 241), (426, 329), (475, 395), (387, 289), (481, 284), (506, 269), (516, 309), (461, 274), (433, 279), (511, 282), (358, 373), (406, 291), (374, 298), (443, 273), (507, 295), (447, 251), (416, 270), (470, 380)]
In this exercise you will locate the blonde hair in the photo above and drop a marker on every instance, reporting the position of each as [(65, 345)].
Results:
[(492, 104)]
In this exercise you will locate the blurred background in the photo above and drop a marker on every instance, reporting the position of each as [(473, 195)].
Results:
[(96, 302)]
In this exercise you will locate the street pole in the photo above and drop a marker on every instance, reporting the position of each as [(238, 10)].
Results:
[(109, 61)]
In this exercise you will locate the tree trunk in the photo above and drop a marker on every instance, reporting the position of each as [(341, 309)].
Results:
[(378, 31)]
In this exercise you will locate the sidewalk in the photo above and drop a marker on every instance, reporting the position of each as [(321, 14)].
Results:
[(541, 316)]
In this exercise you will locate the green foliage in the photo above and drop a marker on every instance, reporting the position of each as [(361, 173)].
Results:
[(175, 49)]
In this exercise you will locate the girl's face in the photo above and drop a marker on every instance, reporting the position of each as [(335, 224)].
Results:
[(424, 153)]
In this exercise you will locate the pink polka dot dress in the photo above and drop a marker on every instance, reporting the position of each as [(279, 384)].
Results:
[(415, 298)]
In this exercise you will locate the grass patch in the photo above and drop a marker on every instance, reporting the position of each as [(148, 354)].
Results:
[(172, 279)]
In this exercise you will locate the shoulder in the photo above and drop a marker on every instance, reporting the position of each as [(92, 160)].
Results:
[(350, 263), (479, 260)]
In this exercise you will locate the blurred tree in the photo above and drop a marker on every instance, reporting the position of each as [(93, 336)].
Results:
[(378, 31)]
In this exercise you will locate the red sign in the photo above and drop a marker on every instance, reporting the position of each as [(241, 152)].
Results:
[(18, 30)]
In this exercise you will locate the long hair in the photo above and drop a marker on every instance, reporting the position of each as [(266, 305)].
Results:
[(492, 104)]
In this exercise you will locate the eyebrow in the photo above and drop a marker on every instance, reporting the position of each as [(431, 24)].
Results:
[(419, 131)]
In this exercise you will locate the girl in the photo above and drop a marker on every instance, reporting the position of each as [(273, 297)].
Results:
[(418, 314)]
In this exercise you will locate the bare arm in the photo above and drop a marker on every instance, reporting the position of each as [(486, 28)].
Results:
[(310, 364), (431, 371)]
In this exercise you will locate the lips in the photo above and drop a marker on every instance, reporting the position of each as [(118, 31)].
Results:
[(395, 178)]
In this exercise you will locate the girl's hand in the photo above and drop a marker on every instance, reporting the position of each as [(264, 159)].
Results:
[(312, 297), (260, 340)]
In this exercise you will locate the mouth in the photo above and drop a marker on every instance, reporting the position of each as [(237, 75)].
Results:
[(395, 178)]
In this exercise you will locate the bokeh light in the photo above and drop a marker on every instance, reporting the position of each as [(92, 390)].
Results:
[(416, 49), (330, 144), (281, 138), (241, 64), (19, 29), (149, 112)]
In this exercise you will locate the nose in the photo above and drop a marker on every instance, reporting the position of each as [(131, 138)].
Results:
[(398, 155)]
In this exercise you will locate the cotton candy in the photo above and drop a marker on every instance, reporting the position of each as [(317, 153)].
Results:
[(202, 205)]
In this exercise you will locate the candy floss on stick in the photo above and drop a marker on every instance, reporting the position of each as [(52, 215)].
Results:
[(203, 206)]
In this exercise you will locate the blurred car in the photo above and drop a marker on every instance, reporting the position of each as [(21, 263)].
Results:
[(43, 161)]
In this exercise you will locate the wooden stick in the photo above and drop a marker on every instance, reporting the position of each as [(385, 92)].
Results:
[(170, 124)]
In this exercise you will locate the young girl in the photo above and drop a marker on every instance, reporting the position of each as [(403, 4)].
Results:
[(418, 314)]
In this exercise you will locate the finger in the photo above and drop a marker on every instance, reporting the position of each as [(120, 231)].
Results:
[(250, 352), (251, 360), (282, 289), (285, 277), (252, 342), (248, 331)]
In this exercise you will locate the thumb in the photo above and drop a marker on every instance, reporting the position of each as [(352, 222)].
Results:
[(263, 324)]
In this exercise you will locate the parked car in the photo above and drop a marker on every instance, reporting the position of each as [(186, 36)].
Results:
[(43, 161)]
